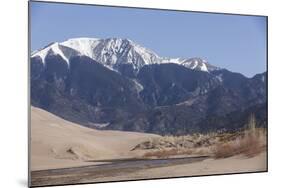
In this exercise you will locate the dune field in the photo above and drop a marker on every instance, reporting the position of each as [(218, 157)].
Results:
[(67, 148)]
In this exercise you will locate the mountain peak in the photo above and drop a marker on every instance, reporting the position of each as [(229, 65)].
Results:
[(112, 52)]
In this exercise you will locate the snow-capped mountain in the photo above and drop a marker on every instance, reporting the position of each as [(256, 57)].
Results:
[(145, 92), (113, 52)]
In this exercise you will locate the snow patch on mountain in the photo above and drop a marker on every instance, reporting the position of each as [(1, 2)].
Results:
[(219, 77), (84, 46), (138, 86), (263, 78), (54, 48), (203, 67)]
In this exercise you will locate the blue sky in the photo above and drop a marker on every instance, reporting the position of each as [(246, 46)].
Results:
[(235, 42)]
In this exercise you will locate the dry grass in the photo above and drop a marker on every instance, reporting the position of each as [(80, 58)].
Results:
[(250, 144)]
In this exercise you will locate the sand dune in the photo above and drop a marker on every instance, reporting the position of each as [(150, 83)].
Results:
[(57, 143)]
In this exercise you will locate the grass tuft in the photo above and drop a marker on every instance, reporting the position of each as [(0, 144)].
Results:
[(252, 143)]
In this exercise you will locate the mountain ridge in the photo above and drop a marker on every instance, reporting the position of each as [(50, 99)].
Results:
[(112, 52)]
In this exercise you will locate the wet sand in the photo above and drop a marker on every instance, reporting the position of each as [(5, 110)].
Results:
[(96, 173), (121, 170)]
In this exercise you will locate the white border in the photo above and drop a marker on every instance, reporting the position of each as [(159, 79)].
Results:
[(13, 84)]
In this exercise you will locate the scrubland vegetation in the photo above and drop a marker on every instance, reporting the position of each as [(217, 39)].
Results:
[(248, 142)]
